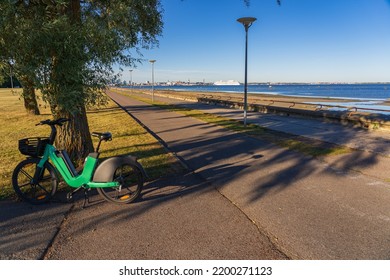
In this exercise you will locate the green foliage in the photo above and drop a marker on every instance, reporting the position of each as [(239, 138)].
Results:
[(5, 77), (68, 47), (2, 73)]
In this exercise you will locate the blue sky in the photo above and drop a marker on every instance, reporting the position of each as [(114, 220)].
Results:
[(299, 41)]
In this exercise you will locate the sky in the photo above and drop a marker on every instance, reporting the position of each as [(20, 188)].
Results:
[(298, 41)]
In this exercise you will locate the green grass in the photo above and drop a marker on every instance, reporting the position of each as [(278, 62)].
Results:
[(128, 138), (304, 145)]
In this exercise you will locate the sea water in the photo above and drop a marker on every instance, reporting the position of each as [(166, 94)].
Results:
[(361, 95), (346, 91)]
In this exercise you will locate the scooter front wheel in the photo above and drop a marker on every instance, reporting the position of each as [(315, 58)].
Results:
[(35, 192), (131, 182)]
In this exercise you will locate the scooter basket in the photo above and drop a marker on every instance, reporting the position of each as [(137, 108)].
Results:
[(34, 146)]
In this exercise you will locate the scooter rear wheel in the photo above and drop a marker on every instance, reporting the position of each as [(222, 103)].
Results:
[(131, 182)]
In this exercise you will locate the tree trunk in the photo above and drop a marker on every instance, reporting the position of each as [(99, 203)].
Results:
[(74, 136), (30, 100)]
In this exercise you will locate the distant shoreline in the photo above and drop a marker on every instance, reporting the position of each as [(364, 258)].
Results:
[(255, 96), (281, 100), (378, 92), (282, 96)]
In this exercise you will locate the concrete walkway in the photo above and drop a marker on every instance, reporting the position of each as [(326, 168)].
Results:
[(178, 218), (374, 141), (307, 208), (372, 147)]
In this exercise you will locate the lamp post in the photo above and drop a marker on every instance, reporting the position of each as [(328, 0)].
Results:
[(11, 64), (131, 79), (247, 22), (152, 62)]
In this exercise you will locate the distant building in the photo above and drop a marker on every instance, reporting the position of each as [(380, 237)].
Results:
[(227, 83)]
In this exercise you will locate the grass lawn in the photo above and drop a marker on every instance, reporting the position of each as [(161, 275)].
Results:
[(128, 138)]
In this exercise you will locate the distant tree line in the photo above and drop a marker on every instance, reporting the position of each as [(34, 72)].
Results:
[(5, 79), (6, 83)]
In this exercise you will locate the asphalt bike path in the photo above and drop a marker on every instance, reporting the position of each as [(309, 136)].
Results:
[(177, 218), (307, 208), (27, 231), (371, 154), (373, 141)]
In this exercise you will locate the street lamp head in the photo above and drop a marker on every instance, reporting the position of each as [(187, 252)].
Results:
[(152, 61), (247, 21)]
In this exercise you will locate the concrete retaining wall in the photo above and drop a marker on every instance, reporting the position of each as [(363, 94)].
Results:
[(360, 119)]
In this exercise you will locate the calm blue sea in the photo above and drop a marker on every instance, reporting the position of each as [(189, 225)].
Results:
[(363, 96), (365, 92)]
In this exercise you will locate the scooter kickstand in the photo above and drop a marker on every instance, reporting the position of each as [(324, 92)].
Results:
[(69, 196), (86, 198)]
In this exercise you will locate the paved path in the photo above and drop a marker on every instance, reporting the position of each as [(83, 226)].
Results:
[(177, 218), (181, 217), (372, 147), (311, 211), (375, 141), (27, 230)]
